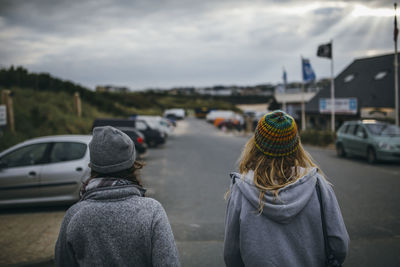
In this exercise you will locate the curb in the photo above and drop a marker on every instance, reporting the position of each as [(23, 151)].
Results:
[(328, 147), (47, 262)]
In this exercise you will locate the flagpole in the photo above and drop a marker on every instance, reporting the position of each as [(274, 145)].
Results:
[(303, 114), (396, 74), (284, 89), (332, 92)]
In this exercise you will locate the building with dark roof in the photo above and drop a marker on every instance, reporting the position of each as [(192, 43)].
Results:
[(365, 89)]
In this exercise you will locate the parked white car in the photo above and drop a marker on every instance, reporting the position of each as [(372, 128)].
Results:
[(178, 113), (225, 114), (45, 170), (158, 123)]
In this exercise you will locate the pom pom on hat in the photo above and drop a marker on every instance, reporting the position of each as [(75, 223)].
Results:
[(276, 134)]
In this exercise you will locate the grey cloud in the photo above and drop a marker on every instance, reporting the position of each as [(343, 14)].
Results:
[(165, 43), (325, 18), (335, 11)]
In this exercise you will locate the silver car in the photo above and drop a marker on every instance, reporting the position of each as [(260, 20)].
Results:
[(44, 170), (372, 139)]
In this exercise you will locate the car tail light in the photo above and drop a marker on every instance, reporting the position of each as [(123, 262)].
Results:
[(140, 140)]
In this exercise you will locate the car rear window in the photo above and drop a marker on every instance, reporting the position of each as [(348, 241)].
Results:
[(141, 126), (67, 151), (351, 129), (131, 134), (344, 128)]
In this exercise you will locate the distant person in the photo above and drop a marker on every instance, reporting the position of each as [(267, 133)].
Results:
[(273, 216), (114, 224)]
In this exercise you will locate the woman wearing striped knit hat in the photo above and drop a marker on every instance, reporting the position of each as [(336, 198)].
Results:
[(274, 216)]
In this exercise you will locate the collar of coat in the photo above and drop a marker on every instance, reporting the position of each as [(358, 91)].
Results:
[(110, 188)]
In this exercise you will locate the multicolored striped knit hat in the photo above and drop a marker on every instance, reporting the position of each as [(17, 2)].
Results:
[(276, 134)]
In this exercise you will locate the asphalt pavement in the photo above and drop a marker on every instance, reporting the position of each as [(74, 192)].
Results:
[(189, 175), (369, 196)]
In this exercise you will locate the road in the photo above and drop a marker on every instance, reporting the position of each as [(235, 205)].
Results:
[(189, 175)]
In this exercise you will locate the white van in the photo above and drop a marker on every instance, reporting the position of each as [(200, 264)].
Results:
[(178, 113), (226, 114)]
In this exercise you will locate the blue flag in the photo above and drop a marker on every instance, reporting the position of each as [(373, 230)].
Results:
[(308, 72)]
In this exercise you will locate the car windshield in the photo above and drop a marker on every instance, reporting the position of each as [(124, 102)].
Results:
[(383, 129)]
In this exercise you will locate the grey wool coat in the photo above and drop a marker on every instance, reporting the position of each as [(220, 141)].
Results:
[(116, 226), (288, 232)]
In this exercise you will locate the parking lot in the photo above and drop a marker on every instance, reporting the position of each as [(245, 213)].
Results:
[(189, 176)]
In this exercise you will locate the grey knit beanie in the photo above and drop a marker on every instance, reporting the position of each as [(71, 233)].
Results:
[(111, 150)]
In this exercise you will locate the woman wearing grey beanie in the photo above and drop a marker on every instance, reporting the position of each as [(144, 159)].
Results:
[(114, 224)]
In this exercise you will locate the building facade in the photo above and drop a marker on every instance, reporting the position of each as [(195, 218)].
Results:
[(363, 90)]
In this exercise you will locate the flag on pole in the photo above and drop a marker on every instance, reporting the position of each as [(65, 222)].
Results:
[(325, 50), (396, 30), (308, 72), (284, 77)]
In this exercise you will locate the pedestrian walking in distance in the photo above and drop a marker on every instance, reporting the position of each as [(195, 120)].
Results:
[(274, 216), (113, 224)]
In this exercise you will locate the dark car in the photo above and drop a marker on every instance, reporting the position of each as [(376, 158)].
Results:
[(153, 137), (137, 137), (172, 119), (114, 122)]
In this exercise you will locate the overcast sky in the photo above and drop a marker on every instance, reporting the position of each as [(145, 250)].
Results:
[(165, 43)]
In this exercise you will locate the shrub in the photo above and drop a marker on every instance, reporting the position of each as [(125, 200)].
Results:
[(317, 138)]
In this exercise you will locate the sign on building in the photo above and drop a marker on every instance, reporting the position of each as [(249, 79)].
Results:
[(342, 105), (3, 115)]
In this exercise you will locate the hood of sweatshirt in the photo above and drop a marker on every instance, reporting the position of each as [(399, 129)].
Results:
[(291, 199)]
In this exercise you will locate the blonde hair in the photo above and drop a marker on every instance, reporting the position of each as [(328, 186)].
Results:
[(273, 173)]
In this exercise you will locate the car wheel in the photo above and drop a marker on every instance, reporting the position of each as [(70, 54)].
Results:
[(340, 151), (152, 143), (371, 155)]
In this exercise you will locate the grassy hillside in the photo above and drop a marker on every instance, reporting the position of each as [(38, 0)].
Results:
[(40, 113), (43, 112), (44, 105)]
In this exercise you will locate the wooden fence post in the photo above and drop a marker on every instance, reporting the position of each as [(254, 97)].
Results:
[(249, 124), (78, 104), (6, 99)]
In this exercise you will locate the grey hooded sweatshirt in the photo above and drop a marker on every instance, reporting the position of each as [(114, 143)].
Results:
[(289, 230), (116, 226)]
